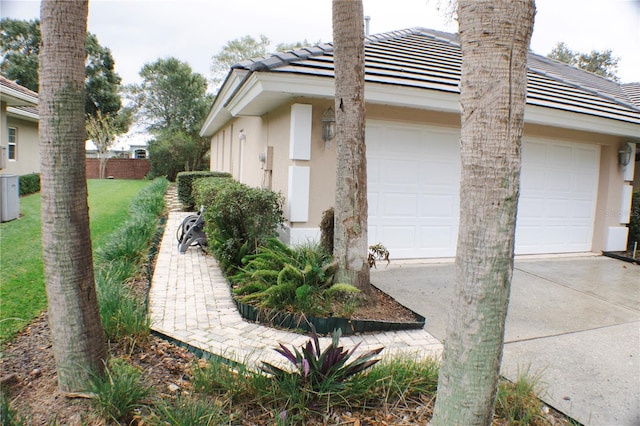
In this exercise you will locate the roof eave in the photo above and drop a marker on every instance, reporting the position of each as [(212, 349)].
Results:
[(218, 114), (17, 98), (25, 115)]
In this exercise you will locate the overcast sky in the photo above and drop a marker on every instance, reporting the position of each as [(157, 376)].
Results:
[(141, 31)]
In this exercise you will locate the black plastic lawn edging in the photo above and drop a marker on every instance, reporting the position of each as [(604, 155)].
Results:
[(620, 256), (300, 322)]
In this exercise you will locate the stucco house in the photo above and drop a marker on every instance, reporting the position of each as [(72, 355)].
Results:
[(19, 119), (580, 136), (133, 144)]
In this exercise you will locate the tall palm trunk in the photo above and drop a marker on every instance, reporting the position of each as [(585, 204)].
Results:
[(494, 38), (350, 234), (78, 339)]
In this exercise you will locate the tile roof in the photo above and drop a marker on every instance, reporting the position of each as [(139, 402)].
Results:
[(12, 85), (427, 59), (633, 92)]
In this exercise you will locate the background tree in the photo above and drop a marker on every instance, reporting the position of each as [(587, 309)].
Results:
[(172, 102), (235, 51), (20, 46), (102, 130), (283, 47), (494, 39), (351, 209), (78, 339), (602, 63)]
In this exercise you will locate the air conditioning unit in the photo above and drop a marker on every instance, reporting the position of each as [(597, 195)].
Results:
[(9, 197)]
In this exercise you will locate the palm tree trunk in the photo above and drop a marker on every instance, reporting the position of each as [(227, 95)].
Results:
[(494, 38), (78, 339), (350, 238)]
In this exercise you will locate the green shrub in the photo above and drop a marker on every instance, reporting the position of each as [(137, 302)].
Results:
[(29, 184), (204, 190), (239, 220), (185, 180), (118, 392), (634, 223)]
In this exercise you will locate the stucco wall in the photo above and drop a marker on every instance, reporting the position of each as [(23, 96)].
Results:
[(27, 148), (273, 128)]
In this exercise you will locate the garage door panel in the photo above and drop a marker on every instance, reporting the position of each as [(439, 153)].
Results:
[(438, 206), (582, 210), (559, 156), (400, 237), (435, 238), (373, 172), (399, 205), (584, 157), (400, 172), (530, 207), (558, 181), (439, 173)]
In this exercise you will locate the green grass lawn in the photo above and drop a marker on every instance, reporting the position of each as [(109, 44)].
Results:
[(22, 290)]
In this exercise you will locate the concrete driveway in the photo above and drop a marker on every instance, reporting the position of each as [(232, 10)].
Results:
[(574, 321)]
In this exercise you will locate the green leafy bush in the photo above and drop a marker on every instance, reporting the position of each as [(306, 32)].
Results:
[(238, 219), (298, 279), (323, 371), (185, 180), (29, 184), (634, 223), (204, 190)]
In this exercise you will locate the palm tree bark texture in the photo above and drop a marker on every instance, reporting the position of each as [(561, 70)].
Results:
[(76, 331), (494, 39), (351, 210)]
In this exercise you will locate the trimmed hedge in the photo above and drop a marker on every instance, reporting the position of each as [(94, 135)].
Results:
[(184, 181), (238, 218), (29, 184)]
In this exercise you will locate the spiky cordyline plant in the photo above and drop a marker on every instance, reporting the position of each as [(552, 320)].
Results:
[(323, 369)]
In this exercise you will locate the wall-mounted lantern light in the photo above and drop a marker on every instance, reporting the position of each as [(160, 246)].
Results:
[(328, 126), (624, 155), (242, 137)]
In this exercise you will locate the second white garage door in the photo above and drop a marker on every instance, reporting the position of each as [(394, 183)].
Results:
[(413, 182)]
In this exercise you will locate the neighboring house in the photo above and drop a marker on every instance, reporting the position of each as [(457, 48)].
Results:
[(266, 129), (129, 145), (19, 127)]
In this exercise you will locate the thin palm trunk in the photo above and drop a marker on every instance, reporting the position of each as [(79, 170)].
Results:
[(494, 38), (78, 340), (351, 210)]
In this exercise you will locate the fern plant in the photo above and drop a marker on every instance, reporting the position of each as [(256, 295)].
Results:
[(296, 279)]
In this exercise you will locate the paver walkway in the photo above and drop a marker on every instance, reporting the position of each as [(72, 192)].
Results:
[(190, 302)]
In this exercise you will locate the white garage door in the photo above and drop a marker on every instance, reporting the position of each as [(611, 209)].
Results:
[(558, 182), (413, 182), (413, 176)]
